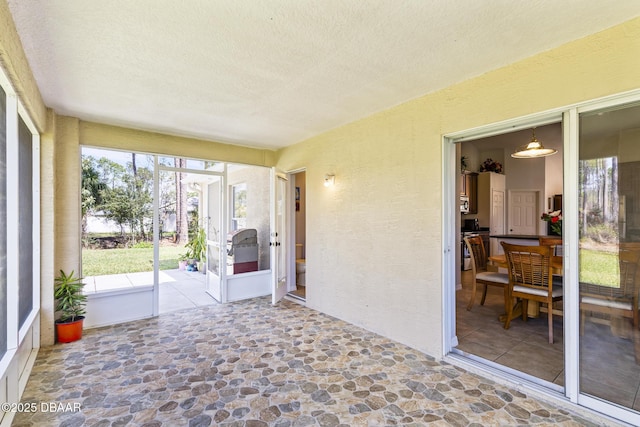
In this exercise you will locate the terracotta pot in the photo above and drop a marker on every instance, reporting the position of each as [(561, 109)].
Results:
[(69, 331)]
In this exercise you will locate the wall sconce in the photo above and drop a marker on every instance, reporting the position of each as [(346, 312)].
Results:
[(329, 180)]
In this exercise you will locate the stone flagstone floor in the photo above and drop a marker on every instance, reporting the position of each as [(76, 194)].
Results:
[(251, 364)]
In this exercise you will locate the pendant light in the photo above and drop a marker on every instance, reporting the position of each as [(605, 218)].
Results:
[(533, 149)]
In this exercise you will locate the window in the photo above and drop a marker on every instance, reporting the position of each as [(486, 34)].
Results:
[(19, 225), (25, 223), (238, 206)]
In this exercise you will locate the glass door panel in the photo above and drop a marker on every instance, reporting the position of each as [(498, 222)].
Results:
[(609, 250), (279, 239), (215, 261)]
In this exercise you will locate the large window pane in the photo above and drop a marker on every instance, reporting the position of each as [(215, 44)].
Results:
[(117, 220), (249, 188), (609, 227), (3, 222), (25, 226), (238, 206)]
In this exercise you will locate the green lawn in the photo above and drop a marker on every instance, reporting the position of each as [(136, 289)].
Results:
[(599, 267), (97, 262)]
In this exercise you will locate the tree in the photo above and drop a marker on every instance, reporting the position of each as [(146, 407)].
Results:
[(125, 194), (182, 221), (92, 188)]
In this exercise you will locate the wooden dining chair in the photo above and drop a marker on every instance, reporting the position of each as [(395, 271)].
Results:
[(616, 299), (481, 274), (553, 242), (530, 278)]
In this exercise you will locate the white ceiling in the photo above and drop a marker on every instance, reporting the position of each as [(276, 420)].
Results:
[(271, 73)]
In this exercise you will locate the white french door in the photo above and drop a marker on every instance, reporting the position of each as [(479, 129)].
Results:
[(278, 239), (216, 250)]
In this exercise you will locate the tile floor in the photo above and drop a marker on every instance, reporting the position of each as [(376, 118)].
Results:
[(187, 289), (253, 364), (609, 368), (179, 289), (300, 293)]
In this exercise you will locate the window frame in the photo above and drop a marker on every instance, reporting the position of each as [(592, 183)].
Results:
[(233, 219), (16, 334)]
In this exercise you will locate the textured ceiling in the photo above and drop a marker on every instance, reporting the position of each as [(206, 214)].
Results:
[(271, 73)]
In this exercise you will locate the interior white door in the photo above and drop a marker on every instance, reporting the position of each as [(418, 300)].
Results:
[(278, 239), (216, 250), (523, 212)]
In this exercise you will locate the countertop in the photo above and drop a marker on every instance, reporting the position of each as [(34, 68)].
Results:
[(480, 230)]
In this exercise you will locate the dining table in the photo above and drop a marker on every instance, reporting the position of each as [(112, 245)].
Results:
[(500, 261), (533, 310)]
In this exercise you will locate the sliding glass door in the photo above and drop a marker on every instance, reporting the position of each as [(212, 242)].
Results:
[(609, 254), (595, 358)]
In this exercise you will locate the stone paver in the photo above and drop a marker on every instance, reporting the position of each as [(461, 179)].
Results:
[(252, 364)]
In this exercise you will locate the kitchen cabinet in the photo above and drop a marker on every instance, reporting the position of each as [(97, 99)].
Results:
[(469, 188), (491, 205)]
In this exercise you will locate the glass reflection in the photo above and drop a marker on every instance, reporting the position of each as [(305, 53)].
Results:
[(609, 250)]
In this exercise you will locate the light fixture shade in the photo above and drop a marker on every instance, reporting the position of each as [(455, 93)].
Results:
[(533, 149)]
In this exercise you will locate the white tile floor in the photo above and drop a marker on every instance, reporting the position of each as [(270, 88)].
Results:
[(179, 289)]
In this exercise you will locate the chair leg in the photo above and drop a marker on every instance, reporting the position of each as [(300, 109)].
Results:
[(509, 305), (525, 309), (473, 296), (484, 294), (550, 311)]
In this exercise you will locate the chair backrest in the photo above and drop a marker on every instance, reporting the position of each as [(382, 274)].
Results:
[(552, 241), (628, 261), (627, 288), (529, 266), (477, 253)]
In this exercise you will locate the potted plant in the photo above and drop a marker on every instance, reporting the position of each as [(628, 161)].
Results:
[(70, 303), (182, 261), (197, 248)]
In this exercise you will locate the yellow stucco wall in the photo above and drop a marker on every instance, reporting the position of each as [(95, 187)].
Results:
[(14, 62), (120, 138), (374, 240)]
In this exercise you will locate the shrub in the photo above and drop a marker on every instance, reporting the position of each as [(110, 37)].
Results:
[(601, 233), (143, 245)]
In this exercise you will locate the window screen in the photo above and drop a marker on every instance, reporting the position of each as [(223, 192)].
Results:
[(25, 222)]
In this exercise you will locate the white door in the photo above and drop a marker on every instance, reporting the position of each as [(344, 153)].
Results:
[(216, 246), (523, 212), (278, 240)]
